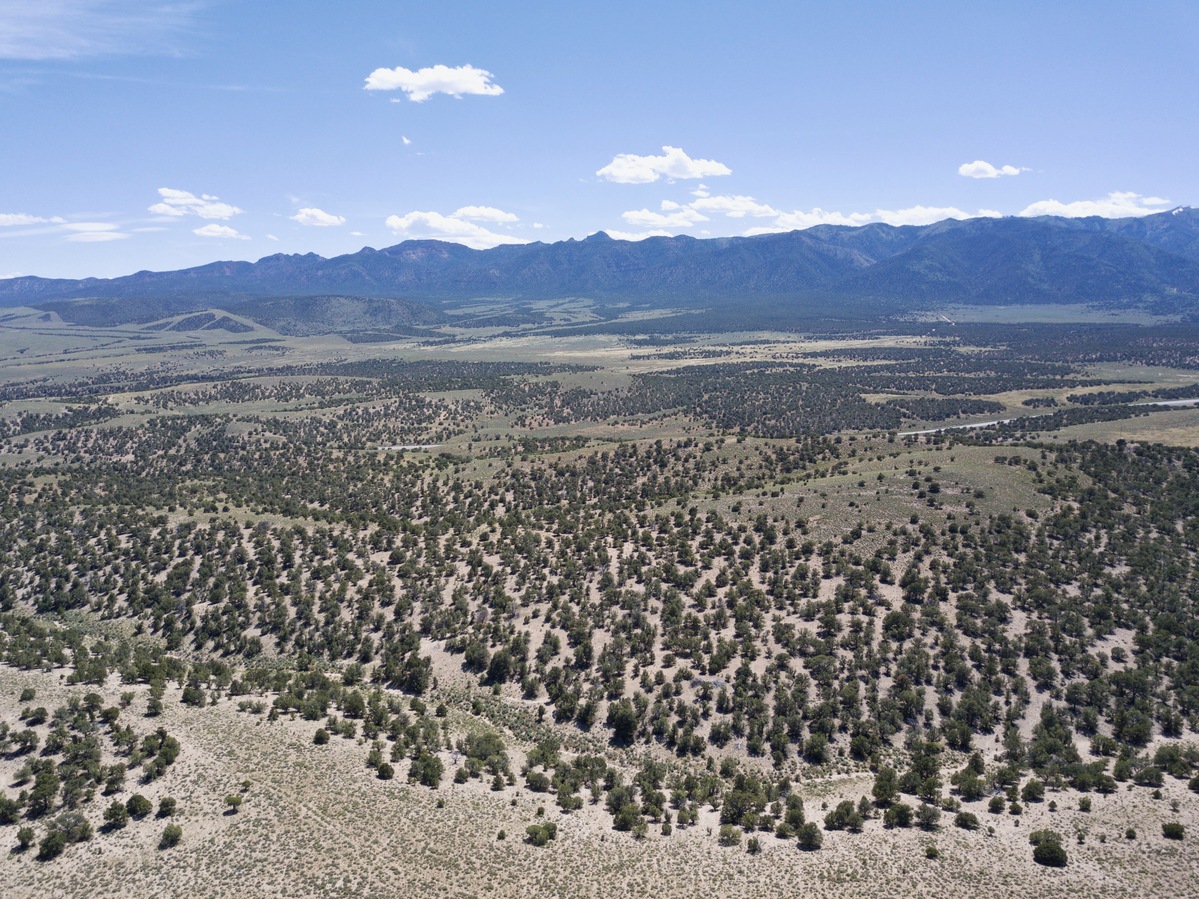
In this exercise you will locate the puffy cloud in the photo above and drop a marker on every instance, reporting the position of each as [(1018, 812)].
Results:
[(318, 218), (1118, 204), (424, 83), (673, 164), (913, 215), (434, 225), (981, 169), (219, 231), (10, 219), (483, 214), (637, 235), (798, 220), (181, 202), (927, 215), (682, 217), (734, 207)]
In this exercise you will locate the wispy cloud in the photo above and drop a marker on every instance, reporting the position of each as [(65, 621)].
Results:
[(422, 84), (673, 164), (73, 29), (93, 232), (13, 219)]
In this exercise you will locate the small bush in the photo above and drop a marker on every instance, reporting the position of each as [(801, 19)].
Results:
[(171, 835), (809, 837), (1034, 791), (898, 815), (1172, 830), (116, 815), (1049, 853), (138, 806), (541, 834), (52, 845), (966, 821)]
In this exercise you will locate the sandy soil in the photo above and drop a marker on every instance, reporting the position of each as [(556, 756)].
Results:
[(316, 822)]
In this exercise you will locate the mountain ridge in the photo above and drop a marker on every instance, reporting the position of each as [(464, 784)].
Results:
[(1149, 263)]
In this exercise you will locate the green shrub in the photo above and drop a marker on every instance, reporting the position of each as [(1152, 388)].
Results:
[(138, 805), (809, 837), (171, 835), (1050, 853)]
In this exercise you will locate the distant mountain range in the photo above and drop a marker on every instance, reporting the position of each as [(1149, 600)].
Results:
[(1149, 263)]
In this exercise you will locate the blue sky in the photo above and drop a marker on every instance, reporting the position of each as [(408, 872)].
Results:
[(153, 134)]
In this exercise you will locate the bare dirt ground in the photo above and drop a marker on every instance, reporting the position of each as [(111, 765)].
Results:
[(316, 822)]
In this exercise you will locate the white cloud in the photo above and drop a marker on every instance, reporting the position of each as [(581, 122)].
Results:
[(734, 207), (436, 226), (981, 169), (1118, 204), (927, 215), (91, 226), (637, 235), (9, 219), (799, 220), (682, 217), (271, 237), (96, 236), (483, 214), (673, 164), (424, 83), (407, 142), (181, 202), (70, 29), (219, 231), (317, 218), (93, 232)]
